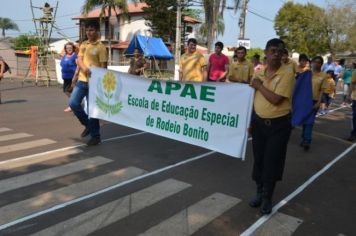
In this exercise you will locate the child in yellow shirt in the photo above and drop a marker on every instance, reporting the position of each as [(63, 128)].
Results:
[(328, 92)]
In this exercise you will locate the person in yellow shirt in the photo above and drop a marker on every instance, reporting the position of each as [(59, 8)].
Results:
[(317, 80), (352, 96), (303, 63), (240, 71), (292, 65), (271, 123), (192, 65), (92, 53), (328, 92)]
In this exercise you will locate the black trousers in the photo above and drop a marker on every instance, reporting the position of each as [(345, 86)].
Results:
[(269, 142)]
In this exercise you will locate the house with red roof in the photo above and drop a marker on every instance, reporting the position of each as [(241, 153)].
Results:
[(124, 28)]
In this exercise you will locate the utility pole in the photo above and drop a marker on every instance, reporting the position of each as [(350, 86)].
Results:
[(178, 39), (242, 19), (178, 32)]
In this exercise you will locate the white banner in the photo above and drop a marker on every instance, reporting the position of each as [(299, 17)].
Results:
[(211, 115)]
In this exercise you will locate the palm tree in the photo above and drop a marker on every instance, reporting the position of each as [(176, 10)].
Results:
[(214, 10), (7, 24), (106, 7), (203, 30)]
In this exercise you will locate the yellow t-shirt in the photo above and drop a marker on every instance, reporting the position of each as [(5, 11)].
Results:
[(317, 81), (282, 83), (328, 86), (240, 72), (292, 66), (353, 82), (92, 54), (191, 66)]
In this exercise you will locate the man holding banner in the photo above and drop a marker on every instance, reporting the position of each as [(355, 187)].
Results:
[(271, 124), (92, 53)]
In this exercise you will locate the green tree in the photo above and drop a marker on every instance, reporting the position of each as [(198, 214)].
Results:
[(304, 28), (7, 24), (24, 42), (341, 17), (160, 16), (106, 6)]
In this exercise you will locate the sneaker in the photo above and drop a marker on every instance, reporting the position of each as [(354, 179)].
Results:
[(94, 141), (85, 133)]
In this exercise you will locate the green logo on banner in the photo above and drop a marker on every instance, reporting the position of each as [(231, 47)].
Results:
[(107, 99)]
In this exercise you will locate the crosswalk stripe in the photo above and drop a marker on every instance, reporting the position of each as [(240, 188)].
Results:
[(15, 163), (194, 217), (46, 200), (25, 145), (50, 173), (14, 136), (109, 213), (4, 129), (279, 224)]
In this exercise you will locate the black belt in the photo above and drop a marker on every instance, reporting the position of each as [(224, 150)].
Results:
[(273, 121)]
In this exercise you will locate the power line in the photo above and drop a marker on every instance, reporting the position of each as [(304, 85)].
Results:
[(259, 12), (261, 16)]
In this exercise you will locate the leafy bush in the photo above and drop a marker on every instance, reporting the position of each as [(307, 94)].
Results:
[(24, 42), (251, 52)]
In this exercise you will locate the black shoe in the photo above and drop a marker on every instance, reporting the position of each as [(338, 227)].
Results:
[(256, 201), (351, 138), (85, 133), (306, 147), (94, 141), (266, 207)]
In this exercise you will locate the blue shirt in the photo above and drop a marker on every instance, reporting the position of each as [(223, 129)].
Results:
[(327, 67), (69, 66)]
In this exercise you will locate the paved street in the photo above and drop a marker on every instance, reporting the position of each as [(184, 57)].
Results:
[(136, 183)]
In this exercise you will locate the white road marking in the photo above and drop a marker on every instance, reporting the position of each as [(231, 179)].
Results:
[(93, 194), (47, 200), (64, 149), (331, 111), (193, 218), (14, 136), (25, 145), (109, 213), (15, 163), (5, 129), (50, 173), (264, 218), (280, 224)]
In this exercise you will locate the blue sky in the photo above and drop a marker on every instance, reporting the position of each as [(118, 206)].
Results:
[(258, 30)]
